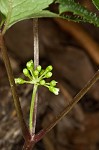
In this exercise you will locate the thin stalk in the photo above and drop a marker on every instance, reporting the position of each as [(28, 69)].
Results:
[(36, 63), (87, 87), (34, 101), (8, 17), (32, 110), (7, 63), (28, 145), (36, 42), (1, 24)]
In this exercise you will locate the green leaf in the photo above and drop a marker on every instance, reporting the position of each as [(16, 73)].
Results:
[(17, 10), (80, 13), (96, 3), (13, 11)]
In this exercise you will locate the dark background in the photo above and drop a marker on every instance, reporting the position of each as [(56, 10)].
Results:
[(73, 50)]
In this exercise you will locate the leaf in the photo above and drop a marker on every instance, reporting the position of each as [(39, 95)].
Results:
[(14, 11), (96, 3), (80, 13), (17, 10)]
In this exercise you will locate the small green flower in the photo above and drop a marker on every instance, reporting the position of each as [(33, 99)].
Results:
[(48, 75), (30, 65), (26, 72), (49, 68), (54, 90), (36, 73), (42, 82), (53, 83), (19, 81), (39, 68), (42, 71)]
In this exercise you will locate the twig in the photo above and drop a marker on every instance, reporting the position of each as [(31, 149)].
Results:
[(28, 145), (43, 132), (68, 98), (25, 131)]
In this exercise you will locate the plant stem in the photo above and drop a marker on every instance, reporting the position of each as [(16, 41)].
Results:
[(1, 24), (5, 56), (32, 110), (28, 145), (36, 42), (36, 63), (41, 134), (34, 101), (8, 17)]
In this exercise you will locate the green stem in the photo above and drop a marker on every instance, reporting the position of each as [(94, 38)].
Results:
[(32, 110), (1, 24), (8, 17)]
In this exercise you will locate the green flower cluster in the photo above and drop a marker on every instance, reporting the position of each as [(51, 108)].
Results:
[(37, 76)]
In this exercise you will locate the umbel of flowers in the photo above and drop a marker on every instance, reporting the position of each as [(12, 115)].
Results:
[(38, 77)]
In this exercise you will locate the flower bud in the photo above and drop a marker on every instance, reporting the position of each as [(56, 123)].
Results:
[(39, 68), (49, 68), (30, 65), (48, 75), (42, 82), (19, 81), (53, 83), (42, 71), (36, 73), (26, 72), (54, 90)]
